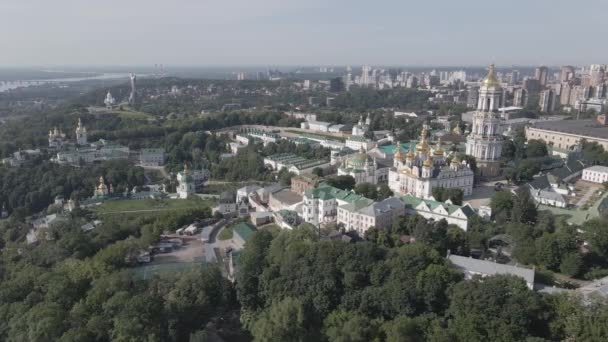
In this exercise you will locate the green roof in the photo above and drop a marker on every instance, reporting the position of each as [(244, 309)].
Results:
[(329, 192), (244, 230), (390, 149), (412, 202)]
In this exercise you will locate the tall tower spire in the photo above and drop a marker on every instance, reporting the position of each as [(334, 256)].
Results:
[(489, 92)]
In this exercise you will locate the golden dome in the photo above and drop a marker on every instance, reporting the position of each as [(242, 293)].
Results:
[(410, 154), (490, 80), (423, 146), (102, 183), (439, 150), (398, 150), (456, 159), (428, 162)]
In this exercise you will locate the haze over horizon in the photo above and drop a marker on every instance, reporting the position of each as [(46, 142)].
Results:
[(314, 32)]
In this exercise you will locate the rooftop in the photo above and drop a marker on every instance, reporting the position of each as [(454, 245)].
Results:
[(390, 149), (585, 128), (491, 268), (387, 205), (287, 197), (597, 168), (413, 202), (329, 192)]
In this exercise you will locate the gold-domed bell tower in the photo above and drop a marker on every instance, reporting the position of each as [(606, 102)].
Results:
[(456, 161), (422, 149), (410, 157), (398, 157), (427, 167), (438, 153)]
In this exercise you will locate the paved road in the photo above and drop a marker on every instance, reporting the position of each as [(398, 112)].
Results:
[(277, 128), (161, 169)]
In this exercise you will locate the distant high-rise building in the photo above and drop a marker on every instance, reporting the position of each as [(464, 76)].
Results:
[(459, 75), (564, 94), (520, 98), (596, 74), (132, 95), (412, 82), (336, 84), (541, 74), (472, 96), (566, 73), (547, 100), (365, 75), (600, 91), (516, 76), (532, 85)]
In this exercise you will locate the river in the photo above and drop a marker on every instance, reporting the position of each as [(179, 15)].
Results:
[(7, 85)]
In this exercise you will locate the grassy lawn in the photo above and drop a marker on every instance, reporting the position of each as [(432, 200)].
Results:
[(150, 205), (131, 114), (225, 234), (320, 135), (576, 216), (148, 271)]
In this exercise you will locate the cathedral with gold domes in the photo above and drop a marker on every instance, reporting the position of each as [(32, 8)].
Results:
[(424, 168)]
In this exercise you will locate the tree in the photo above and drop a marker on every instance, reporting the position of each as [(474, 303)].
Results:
[(515, 311), (572, 264), (282, 321), (251, 266), (317, 171), (432, 233), (547, 251), (596, 235), (502, 204), (536, 148), (433, 284), (344, 182), (195, 298), (403, 329), (455, 195), (284, 177), (524, 207), (367, 190), (456, 240), (384, 192), (508, 150), (346, 326)]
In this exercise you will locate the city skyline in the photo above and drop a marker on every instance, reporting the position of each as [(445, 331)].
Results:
[(288, 33)]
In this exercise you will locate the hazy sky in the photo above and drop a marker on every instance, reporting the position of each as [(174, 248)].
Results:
[(303, 32)]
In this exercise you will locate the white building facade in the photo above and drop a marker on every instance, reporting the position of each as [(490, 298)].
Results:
[(596, 174), (435, 210), (360, 217), (320, 205)]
